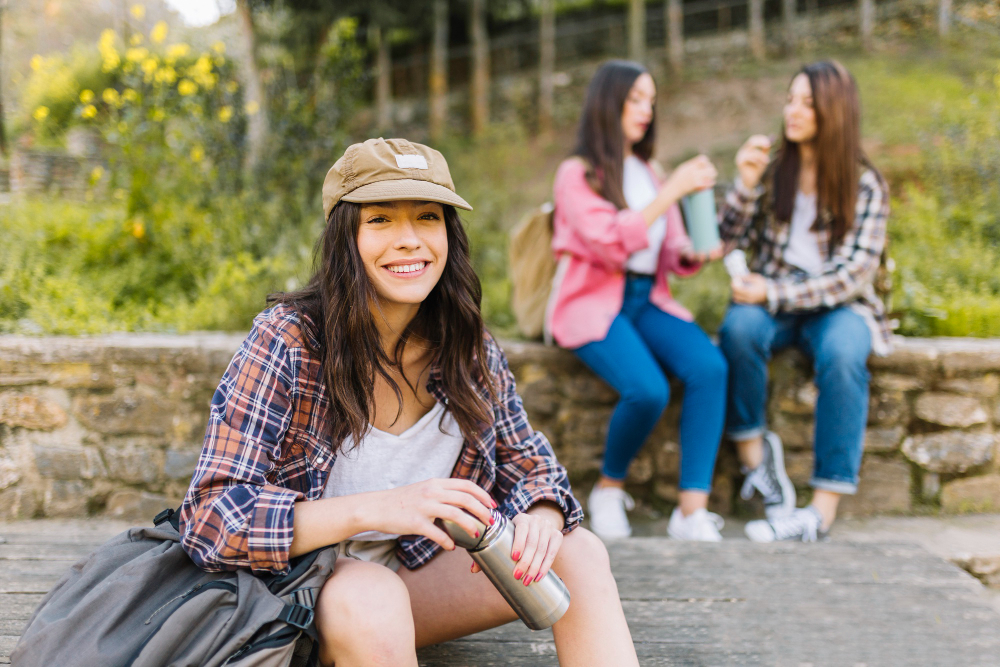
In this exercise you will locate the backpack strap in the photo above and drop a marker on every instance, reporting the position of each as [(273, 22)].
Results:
[(171, 515)]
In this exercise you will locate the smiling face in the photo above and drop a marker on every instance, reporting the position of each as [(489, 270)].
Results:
[(637, 112), (404, 248), (800, 112)]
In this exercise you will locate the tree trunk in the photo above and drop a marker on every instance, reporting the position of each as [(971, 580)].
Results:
[(674, 15), (637, 30), (383, 79), (3, 130), (546, 64), (788, 21), (867, 22), (439, 71), (757, 44), (254, 93), (480, 68), (944, 18)]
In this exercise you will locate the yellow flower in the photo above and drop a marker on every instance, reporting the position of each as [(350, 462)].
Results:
[(159, 32), (232, 87), (138, 228), (109, 54), (111, 97), (96, 174), (157, 115), (118, 194), (166, 75), (197, 154), (178, 51), (137, 54), (86, 96), (252, 108), (138, 11), (187, 87), (135, 39), (88, 111), (149, 67), (130, 95), (219, 48), (225, 114), (36, 62), (41, 113)]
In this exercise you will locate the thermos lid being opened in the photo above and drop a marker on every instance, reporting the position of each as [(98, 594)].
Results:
[(459, 534)]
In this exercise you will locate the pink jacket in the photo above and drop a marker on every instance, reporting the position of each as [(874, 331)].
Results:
[(592, 240)]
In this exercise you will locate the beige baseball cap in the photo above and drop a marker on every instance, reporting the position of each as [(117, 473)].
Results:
[(389, 170)]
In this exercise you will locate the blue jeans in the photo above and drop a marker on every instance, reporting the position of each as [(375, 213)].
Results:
[(642, 344), (838, 342)]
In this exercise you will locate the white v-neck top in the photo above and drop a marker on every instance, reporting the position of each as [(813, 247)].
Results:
[(803, 246), (385, 461), (640, 190)]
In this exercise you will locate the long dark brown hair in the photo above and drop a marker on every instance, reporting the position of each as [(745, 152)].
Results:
[(336, 308), (839, 156), (599, 137)]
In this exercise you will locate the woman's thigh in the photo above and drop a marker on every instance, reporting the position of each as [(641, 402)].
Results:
[(624, 361), (681, 347)]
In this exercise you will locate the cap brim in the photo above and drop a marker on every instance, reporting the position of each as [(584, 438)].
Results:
[(405, 188)]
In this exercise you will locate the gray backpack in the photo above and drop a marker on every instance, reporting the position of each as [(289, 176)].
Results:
[(139, 600)]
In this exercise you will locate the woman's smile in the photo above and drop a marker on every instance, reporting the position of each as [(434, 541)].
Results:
[(407, 269)]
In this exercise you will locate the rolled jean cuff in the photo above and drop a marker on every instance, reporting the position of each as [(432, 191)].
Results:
[(741, 434), (834, 486), (699, 489)]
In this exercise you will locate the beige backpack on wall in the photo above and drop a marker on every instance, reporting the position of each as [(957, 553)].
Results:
[(532, 267)]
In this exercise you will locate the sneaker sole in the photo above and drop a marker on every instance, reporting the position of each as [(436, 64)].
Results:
[(787, 505), (759, 531)]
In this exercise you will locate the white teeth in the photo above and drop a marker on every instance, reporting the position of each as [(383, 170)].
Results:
[(407, 268)]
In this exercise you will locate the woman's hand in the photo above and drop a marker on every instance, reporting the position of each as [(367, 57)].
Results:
[(751, 289), (412, 509), (537, 538), (689, 256), (752, 159), (696, 174)]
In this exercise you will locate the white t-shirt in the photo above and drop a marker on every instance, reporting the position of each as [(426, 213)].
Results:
[(386, 461), (803, 247), (640, 191)]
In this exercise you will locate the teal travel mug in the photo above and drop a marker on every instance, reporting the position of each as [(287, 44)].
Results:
[(702, 224)]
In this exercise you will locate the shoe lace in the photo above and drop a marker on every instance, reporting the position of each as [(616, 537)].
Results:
[(763, 479), (800, 523)]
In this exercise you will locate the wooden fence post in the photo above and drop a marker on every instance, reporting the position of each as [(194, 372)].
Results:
[(439, 71), (756, 29), (867, 23), (674, 15), (480, 68), (944, 18), (637, 30), (383, 79), (546, 64)]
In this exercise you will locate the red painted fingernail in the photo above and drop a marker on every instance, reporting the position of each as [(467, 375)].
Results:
[(517, 574), (538, 577), (516, 555), (495, 504), (473, 568), (527, 580), (477, 534), (492, 520)]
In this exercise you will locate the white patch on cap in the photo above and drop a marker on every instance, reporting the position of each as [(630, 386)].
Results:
[(411, 162)]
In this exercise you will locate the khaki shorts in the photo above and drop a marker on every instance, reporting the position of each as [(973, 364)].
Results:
[(382, 552)]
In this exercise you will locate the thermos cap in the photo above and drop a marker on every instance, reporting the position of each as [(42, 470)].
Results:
[(459, 534)]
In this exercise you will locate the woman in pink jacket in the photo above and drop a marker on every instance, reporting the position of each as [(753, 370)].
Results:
[(618, 234)]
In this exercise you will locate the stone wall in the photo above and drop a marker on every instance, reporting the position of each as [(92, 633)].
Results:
[(113, 425)]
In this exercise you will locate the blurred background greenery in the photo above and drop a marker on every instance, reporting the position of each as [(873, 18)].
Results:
[(191, 213)]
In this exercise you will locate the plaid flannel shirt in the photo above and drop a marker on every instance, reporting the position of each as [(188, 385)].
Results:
[(267, 446), (747, 221)]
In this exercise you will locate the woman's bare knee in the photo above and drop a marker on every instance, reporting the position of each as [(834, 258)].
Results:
[(364, 610), (583, 561)]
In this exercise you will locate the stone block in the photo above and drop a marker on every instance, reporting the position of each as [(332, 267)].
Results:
[(59, 462), (588, 389), (135, 505), (795, 433), (896, 382), (798, 400), (986, 386), (950, 410), (799, 466), (641, 469), (10, 471), (666, 458), (538, 390), (972, 494), (887, 408), (969, 356), (127, 411), (885, 488), (31, 412), (20, 502), (66, 498), (985, 567), (910, 357), (883, 438), (134, 460), (949, 451)]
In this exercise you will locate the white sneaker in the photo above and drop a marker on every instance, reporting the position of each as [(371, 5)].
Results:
[(699, 526), (803, 525), (607, 506), (771, 480)]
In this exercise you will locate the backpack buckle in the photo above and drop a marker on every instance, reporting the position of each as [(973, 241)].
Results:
[(297, 616), (163, 517)]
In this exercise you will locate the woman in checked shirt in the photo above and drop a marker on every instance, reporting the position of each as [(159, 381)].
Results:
[(814, 222), (372, 402)]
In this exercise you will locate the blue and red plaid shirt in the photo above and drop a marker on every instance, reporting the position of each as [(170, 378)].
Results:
[(268, 446)]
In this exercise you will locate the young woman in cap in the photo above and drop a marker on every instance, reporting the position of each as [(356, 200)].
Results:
[(618, 234), (372, 402), (814, 219)]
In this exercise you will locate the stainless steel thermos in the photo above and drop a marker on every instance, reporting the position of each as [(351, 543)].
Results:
[(539, 605)]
